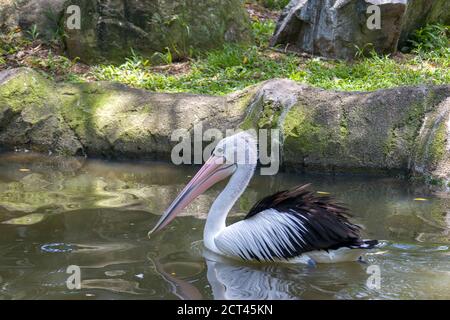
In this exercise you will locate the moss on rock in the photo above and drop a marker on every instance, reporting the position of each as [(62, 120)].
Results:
[(27, 89), (321, 130), (302, 134), (438, 146), (110, 29), (29, 114)]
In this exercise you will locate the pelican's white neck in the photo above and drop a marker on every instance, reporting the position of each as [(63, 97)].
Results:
[(218, 213)]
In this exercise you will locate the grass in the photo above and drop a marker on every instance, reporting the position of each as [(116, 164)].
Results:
[(431, 44), (235, 67), (274, 4), (218, 72), (371, 73), (17, 50), (262, 32), (432, 41), (33, 33)]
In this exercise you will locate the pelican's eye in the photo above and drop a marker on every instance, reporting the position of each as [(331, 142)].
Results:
[(219, 151)]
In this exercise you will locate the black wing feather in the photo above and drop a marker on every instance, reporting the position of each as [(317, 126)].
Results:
[(327, 222)]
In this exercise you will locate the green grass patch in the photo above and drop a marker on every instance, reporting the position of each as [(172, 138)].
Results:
[(274, 4), (371, 73), (432, 41), (262, 32), (235, 67), (218, 72)]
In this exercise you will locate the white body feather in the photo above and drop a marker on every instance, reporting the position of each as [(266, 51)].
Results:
[(272, 231)]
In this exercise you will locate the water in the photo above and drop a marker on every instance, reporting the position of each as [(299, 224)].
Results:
[(55, 213)]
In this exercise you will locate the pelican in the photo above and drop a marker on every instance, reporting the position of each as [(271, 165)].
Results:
[(294, 226)]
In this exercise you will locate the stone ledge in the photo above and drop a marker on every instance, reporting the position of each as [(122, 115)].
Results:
[(402, 129)]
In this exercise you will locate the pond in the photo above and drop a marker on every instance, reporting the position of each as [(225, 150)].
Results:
[(58, 212)]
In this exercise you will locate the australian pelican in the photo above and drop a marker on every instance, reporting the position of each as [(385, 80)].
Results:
[(294, 226)]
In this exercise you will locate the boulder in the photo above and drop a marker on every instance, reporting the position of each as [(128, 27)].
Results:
[(29, 116), (422, 12), (403, 130), (99, 119), (8, 18), (338, 28), (110, 29), (25, 14)]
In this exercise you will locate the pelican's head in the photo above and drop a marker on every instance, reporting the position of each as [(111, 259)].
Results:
[(239, 149), (230, 154)]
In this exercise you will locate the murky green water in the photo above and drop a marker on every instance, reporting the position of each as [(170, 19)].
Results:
[(55, 213)]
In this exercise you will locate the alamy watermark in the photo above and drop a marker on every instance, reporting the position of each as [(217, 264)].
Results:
[(73, 282), (374, 280), (190, 147), (374, 20), (74, 20)]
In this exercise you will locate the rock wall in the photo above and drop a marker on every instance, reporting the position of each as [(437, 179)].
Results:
[(111, 28), (24, 14), (338, 28), (421, 12), (404, 129)]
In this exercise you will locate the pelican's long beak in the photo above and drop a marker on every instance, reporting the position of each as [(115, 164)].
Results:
[(213, 171)]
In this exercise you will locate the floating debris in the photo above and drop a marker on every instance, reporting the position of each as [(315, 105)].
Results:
[(57, 247), (115, 273), (112, 285), (26, 220), (378, 253)]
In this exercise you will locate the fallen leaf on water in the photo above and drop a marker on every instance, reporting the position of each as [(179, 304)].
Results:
[(420, 199), (379, 253), (26, 220)]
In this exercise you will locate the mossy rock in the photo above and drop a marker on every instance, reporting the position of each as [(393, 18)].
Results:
[(381, 131), (29, 114), (397, 130), (179, 28)]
